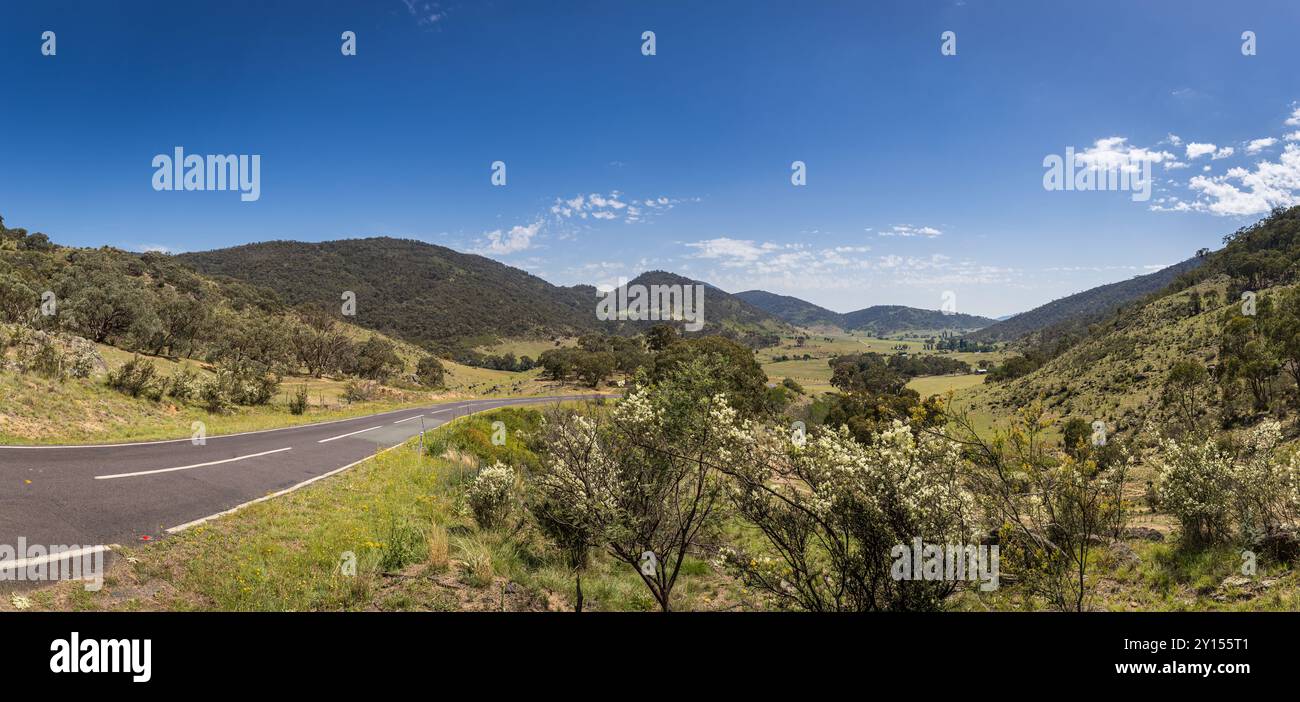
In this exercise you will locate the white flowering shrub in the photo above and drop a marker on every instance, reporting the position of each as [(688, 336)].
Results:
[(1194, 484), (1212, 487), (832, 510), (489, 495), (644, 479)]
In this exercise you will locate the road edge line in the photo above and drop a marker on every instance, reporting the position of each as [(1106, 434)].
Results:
[(182, 527)]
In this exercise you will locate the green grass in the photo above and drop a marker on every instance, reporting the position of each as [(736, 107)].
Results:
[(940, 384)]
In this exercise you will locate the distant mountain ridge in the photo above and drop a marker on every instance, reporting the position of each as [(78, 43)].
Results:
[(878, 319), (1083, 307)]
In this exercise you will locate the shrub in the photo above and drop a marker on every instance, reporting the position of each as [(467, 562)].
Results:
[(214, 396), (1266, 485), (183, 384), (832, 510), (136, 377), (405, 544), (360, 391), (47, 360), (298, 403), (1194, 484), (82, 365), (430, 372), (489, 495)]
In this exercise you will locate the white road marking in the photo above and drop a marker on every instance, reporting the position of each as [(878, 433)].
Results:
[(341, 436), (196, 465), (408, 419)]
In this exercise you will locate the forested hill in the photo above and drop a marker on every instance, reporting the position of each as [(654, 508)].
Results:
[(445, 299), (417, 291)]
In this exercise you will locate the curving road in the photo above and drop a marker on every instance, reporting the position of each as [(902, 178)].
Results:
[(119, 493)]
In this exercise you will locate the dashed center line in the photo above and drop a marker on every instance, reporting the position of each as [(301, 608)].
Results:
[(408, 419), (196, 465), (341, 436)]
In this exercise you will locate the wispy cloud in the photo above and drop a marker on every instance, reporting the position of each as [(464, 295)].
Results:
[(910, 230), (613, 206), (425, 12)]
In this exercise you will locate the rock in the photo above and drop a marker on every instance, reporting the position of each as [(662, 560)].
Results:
[(1241, 587), (1121, 554), (1143, 534), (1283, 545)]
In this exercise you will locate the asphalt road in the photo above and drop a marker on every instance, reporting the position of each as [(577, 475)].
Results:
[(122, 493)]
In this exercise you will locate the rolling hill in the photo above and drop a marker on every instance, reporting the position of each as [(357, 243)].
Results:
[(1084, 307), (791, 309), (441, 298), (890, 319), (878, 319)]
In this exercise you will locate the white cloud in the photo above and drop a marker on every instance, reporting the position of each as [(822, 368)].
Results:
[(1294, 119), (1115, 154), (909, 230), (733, 251), (1257, 145), (747, 264), (519, 238), (1195, 150), (1293, 136), (1255, 192)]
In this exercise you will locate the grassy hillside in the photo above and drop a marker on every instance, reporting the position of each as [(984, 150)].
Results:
[(39, 410), (1115, 373)]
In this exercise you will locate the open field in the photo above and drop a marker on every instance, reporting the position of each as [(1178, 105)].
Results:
[(814, 373), (940, 384)]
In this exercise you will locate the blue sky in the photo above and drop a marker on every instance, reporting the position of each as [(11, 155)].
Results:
[(924, 171)]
